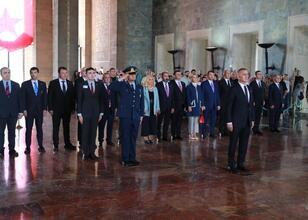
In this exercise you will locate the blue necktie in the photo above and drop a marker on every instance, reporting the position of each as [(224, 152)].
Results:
[(35, 88), (212, 85)]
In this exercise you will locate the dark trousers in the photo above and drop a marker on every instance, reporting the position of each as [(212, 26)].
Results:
[(10, 123), (258, 113), (107, 119), (210, 120), (274, 116), (129, 131), (223, 121), (176, 123), (89, 128), (239, 137), (163, 117), (56, 120), (38, 118)]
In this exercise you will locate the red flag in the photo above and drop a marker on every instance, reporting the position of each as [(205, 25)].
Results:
[(16, 24)]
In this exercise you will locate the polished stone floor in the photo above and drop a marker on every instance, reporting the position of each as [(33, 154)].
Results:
[(180, 180)]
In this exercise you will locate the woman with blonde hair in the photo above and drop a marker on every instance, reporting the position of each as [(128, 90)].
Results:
[(151, 109)]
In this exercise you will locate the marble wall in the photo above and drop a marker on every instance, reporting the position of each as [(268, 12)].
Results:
[(181, 16)]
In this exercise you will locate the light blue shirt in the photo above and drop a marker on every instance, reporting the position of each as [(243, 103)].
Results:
[(10, 84)]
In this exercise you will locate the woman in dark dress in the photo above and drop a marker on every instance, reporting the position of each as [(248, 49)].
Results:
[(151, 110)]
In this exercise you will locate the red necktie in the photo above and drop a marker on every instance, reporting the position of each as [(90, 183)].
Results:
[(7, 89)]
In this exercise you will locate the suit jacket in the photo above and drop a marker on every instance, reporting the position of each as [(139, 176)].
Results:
[(10, 105), (179, 97), (275, 96), (109, 97), (194, 101), (78, 83), (211, 99), (224, 91), (131, 103), (30, 102), (88, 104), (164, 101), (60, 102), (258, 93), (239, 111)]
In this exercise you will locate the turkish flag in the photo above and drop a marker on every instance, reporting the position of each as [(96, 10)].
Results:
[(16, 24)]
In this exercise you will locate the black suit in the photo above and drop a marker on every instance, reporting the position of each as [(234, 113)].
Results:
[(179, 104), (110, 103), (90, 106), (10, 107), (241, 113), (275, 98), (62, 103), (224, 92), (165, 103), (78, 83), (35, 105), (258, 95)]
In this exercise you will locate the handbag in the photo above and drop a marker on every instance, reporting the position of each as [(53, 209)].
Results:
[(201, 119)]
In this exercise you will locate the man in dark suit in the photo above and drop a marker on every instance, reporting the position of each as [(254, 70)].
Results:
[(78, 83), (178, 104), (61, 104), (211, 102), (224, 86), (10, 110), (275, 99), (110, 103), (90, 111), (165, 93), (258, 90), (240, 120), (34, 105), (130, 112)]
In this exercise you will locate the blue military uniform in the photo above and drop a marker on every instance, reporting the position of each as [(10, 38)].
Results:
[(130, 110)]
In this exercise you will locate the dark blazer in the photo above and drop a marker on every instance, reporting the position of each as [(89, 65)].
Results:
[(258, 93), (88, 104), (211, 99), (275, 95), (60, 102), (30, 102), (165, 102), (109, 97), (130, 104), (10, 106), (179, 97), (78, 83), (224, 91), (193, 101), (239, 109)]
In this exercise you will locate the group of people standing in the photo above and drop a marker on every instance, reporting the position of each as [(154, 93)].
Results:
[(230, 103)]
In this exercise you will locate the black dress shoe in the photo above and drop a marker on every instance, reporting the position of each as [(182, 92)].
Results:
[(110, 144), (213, 136), (147, 142), (70, 147), (13, 153), (165, 139), (179, 138), (41, 150), (232, 169), (27, 151), (2, 154), (134, 163), (84, 157), (277, 130), (94, 157), (125, 164), (55, 149), (243, 169)]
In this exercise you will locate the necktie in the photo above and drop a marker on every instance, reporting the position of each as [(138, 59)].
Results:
[(212, 85), (246, 93), (35, 88), (166, 89), (180, 86), (132, 86), (92, 88), (63, 87), (229, 83), (259, 83), (7, 89)]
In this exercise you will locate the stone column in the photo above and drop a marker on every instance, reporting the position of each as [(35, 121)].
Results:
[(65, 35)]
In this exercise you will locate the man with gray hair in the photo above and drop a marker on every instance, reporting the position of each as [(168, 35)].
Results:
[(10, 110)]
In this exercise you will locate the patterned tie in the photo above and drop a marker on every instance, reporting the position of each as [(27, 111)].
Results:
[(35, 87), (180, 86), (92, 88), (166, 89), (246, 93), (7, 89), (63, 87)]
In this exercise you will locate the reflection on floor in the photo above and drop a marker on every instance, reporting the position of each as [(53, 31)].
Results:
[(179, 180)]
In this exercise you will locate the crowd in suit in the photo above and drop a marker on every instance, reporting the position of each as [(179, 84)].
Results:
[(230, 103)]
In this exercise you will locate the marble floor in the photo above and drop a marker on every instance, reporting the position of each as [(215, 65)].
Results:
[(179, 180)]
